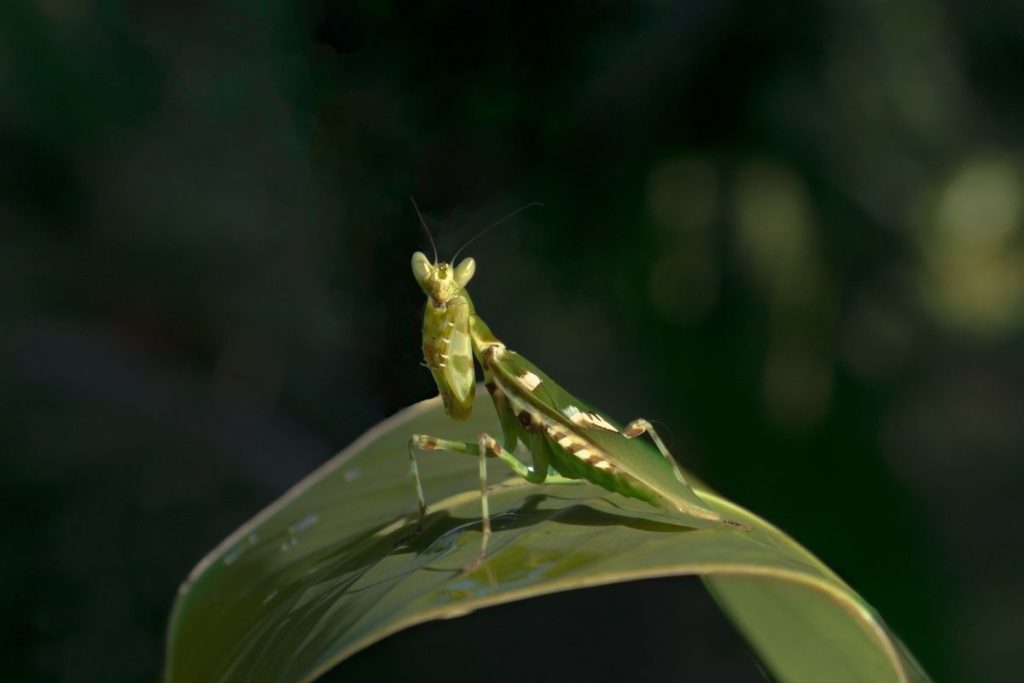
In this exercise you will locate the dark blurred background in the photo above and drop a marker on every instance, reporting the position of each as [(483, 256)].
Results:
[(789, 232)]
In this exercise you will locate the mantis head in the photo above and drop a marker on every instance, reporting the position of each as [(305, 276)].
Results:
[(441, 281)]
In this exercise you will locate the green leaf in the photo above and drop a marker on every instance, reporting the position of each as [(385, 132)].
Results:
[(316, 576)]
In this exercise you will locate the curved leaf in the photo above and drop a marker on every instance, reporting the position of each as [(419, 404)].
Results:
[(316, 577)]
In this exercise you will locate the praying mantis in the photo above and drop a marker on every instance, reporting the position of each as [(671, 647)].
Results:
[(569, 441)]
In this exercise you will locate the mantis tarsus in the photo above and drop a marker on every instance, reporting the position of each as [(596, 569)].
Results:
[(568, 440)]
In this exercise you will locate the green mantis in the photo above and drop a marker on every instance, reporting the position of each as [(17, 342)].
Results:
[(568, 440)]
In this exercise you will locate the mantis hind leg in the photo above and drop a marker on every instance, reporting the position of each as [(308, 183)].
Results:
[(641, 426)]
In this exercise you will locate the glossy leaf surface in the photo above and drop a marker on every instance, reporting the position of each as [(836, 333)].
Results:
[(316, 576)]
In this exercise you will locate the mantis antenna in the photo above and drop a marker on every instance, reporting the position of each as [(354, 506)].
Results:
[(425, 228), (494, 225)]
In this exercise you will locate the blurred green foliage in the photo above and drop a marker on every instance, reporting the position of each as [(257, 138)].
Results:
[(790, 232)]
